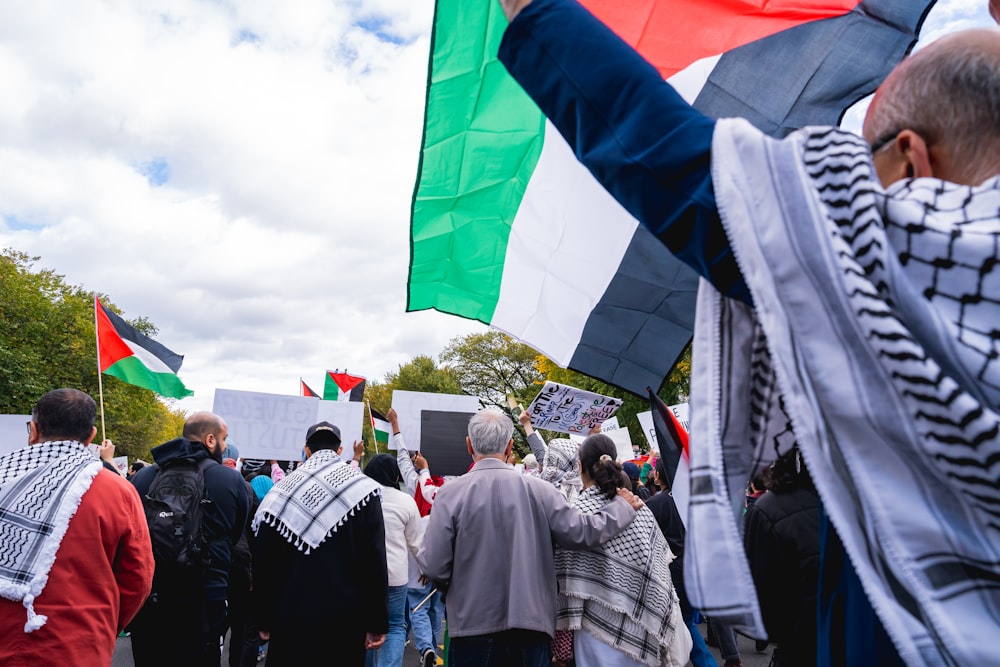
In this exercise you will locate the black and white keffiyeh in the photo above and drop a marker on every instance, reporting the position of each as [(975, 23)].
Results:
[(621, 592), (40, 490), (315, 500), (874, 343), (561, 467)]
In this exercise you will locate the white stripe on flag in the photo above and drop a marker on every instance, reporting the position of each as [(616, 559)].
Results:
[(149, 360), (567, 242)]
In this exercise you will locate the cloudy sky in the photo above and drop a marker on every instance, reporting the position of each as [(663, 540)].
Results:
[(238, 172)]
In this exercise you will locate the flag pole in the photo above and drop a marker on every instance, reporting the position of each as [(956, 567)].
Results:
[(371, 422), (100, 380)]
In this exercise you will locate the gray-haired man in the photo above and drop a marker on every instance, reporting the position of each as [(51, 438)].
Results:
[(489, 542)]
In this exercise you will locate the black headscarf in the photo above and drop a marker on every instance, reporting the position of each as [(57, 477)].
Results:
[(384, 470)]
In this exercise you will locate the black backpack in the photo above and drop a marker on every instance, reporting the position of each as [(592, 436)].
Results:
[(174, 508)]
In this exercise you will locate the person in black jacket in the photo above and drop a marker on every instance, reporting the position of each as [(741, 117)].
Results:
[(320, 575), (185, 617), (782, 544)]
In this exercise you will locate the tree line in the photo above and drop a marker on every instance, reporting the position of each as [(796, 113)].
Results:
[(47, 341)]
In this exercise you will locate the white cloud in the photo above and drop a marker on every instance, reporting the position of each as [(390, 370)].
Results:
[(273, 244), (238, 172)]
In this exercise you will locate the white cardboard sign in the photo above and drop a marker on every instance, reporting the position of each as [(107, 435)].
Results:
[(646, 422), (409, 404), (13, 433), (273, 426), (566, 409)]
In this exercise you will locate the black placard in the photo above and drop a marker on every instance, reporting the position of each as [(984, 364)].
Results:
[(442, 441)]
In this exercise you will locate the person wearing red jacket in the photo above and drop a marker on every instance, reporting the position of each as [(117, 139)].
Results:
[(77, 563)]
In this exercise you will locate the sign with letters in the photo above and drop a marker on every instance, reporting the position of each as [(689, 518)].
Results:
[(566, 409), (273, 426)]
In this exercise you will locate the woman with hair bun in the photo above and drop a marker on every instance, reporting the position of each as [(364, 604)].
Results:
[(618, 600)]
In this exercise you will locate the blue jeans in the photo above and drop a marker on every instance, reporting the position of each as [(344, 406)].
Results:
[(426, 622), (510, 648), (391, 653), (700, 655)]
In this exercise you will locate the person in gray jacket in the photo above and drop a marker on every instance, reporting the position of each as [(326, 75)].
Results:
[(489, 545)]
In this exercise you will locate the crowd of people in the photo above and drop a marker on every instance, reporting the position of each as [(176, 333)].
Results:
[(845, 361), (332, 563)]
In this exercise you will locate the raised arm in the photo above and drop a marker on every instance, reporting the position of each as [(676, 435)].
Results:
[(648, 147), (406, 469)]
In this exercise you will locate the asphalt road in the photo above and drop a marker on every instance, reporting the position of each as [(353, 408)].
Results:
[(123, 654)]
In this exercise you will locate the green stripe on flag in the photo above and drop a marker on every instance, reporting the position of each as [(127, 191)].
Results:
[(331, 392), (482, 140), (133, 371)]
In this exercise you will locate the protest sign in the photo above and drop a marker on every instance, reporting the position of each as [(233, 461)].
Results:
[(442, 441), (121, 463), (13, 432), (410, 404), (348, 416), (683, 413), (566, 409), (273, 426), (610, 425), (646, 422)]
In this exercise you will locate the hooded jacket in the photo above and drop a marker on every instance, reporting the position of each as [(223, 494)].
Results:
[(224, 518)]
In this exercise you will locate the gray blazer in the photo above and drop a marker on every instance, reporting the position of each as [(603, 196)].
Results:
[(489, 545)]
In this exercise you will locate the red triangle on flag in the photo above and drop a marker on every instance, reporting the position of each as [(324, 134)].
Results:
[(346, 382), (672, 34)]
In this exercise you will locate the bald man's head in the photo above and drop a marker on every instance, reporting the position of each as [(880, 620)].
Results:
[(949, 94), (207, 428)]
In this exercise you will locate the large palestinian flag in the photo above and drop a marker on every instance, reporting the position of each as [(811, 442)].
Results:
[(509, 229), (134, 357)]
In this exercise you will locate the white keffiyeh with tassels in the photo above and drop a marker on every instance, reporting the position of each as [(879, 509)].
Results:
[(874, 343), (316, 499), (40, 490)]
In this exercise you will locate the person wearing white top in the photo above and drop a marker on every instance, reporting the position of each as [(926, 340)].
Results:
[(403, 533)]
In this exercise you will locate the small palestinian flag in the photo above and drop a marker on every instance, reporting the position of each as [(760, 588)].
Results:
[(380, 426), (306, 390), (343, 387), (135, 358)]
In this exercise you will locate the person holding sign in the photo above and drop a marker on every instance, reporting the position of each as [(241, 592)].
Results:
[(619, 599), (850, 290), (489, 544)]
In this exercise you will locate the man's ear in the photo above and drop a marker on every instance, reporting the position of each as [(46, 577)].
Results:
[(93, 433), (509, 449), (308, 451), (468, 446), (33, 436), (915, 153)]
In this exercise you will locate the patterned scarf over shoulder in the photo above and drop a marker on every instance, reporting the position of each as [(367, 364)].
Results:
[(315, 500), (874, 343), (41, 487), (621, 592)]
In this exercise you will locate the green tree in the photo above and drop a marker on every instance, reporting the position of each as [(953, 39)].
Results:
[(47, 341), (493, 366), (419, 374)]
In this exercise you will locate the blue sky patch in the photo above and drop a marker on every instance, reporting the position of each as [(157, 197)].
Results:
[(379, 26), (246, 36), (15, 224), (156, 171)]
